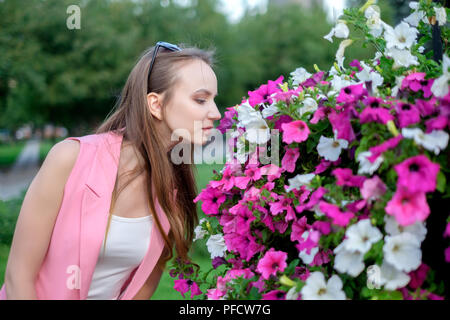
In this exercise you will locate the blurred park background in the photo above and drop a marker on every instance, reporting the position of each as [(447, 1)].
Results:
[(57, 82)]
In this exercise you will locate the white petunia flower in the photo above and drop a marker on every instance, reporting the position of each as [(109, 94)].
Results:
[(269, 110), (398, 85), (300, 75), (341, 51), (292, 294), (199, 231), (339, 82), (391, 278), (402, 58), (374, 24), (440, 85), (300, 180), (368, 75), (339, 31), (216, 245), (414, 18), (441, 15), (401, 37), (308, 105), (316, 288), (307, 258), (330, 148), (257, 131), (403, 251), (365, 166), (247, 114), (350, 262), (361, 236), (435, 141), (417, 229)]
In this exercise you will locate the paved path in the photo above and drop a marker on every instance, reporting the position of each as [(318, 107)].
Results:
[(20, 175)]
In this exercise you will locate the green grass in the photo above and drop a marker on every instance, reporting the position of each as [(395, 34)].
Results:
[(165, 289), (9, 153)]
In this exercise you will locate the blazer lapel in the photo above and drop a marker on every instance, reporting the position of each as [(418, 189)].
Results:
[(96, 203)]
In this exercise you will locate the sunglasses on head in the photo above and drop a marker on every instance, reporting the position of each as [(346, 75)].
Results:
[(158, 45)]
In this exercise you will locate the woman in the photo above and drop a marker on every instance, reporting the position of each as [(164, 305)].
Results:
[(169, 93)]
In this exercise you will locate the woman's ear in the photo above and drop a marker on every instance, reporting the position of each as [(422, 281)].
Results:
[(154, 104)]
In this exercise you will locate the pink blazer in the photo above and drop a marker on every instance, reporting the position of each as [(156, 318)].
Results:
[(80, 227)]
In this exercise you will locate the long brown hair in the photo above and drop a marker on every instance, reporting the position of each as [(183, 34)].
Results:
[(131, 113)]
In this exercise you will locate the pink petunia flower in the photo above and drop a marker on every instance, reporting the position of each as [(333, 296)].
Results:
[(227, 121), (282, 119), (416, 81), (345, 177), (407, 114), (438, 123), (338, 217), (272, 262), (408, 207), (274, 295), (447, 254), (417, 174), (341, 124), (272, 171), (251, 174), (263, 93), (388, 144), (184, 285), (289, 159), (211, 199), (351, 93), (418, 276), (426, 107), (296, 131), (227, 182), (380, 115), (283, 204), (298, 227), (373, 188), (314, 80)]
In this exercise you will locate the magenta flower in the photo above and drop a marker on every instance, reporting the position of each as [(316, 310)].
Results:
[(262, 94), (355, 63), (388, 144), (338, 217), (407, 114), (325, 164), (227, 121), (416, 81), (324, 227), (380, 115), (417, 174), (272, 262), (373, 188), (282, 119), (426, 107), (227, 182), (316, 196), (438, 123), (287, 96), (345, 177), (289, 159), (283, 204), (272, 171), (211, 199), (298, 227), (321, 257), (320, 114), (351, 93), (408, 207), (252, 174), (296, 131), (184, 285), (340, 123), (214, 294), (314, 80), (245, 245), (274, 295), (418, 276), (447, 254)]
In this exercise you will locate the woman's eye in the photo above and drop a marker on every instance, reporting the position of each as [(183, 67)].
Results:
[(201, 101)]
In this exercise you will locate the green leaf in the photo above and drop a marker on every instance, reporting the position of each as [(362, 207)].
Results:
[(441, 182)]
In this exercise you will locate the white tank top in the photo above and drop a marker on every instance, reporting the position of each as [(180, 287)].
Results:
[(126, 246)]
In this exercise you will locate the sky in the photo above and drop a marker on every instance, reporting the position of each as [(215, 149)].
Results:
[(235, 8)]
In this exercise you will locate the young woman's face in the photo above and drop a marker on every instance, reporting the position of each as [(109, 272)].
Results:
[(191, 112)]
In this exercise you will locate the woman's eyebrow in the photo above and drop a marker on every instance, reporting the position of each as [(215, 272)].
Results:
[(205, 91)]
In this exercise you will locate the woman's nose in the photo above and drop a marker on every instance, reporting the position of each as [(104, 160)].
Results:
[(214, 114)]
